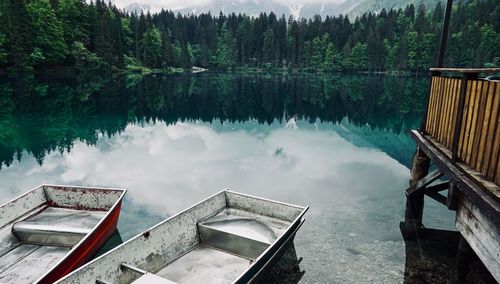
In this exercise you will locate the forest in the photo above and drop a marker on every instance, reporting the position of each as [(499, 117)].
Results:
[(40, 34)]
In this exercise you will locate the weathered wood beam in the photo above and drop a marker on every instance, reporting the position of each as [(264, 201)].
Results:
[(438, 187), (424, 182), (415, 200), (437, 196), (489, 205)]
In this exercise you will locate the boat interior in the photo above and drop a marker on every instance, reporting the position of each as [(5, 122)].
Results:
[(39, 229), (215, 241), (229, 243)]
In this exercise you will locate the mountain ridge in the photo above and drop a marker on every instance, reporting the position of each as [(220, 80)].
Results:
[(352, 8)]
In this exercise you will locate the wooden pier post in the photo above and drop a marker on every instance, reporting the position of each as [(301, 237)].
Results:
[(415, 201)]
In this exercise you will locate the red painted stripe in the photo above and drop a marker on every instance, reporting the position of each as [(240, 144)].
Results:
[(87, 249)]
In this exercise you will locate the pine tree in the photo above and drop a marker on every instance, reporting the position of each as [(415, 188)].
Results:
[(48, 32), (19, 35), (151, 47)]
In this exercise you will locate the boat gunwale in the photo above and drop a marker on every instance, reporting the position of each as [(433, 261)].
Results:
[(304, 209), (41, 187), (77, 245), (283, 238)]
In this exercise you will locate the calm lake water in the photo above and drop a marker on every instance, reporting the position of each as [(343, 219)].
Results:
[(339, 144)]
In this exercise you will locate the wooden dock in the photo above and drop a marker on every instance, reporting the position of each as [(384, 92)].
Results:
[(460, 136)]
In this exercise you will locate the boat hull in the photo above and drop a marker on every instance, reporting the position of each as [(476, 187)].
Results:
[(52, 230), (86, 250)]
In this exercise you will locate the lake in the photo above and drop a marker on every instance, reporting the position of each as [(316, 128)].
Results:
[(339, 144)]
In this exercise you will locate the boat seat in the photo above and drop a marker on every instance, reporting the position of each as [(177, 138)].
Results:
[(57, 226), (240, 232), (150, 278)]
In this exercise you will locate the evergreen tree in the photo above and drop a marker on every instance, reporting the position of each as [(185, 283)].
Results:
[(225, 48), (48, 32), (151, 47), (19, 35)]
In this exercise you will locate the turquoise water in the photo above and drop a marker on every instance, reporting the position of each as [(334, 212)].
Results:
[(339, 144)]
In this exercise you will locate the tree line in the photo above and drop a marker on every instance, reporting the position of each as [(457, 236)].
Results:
[(37, 34), (40, 116)]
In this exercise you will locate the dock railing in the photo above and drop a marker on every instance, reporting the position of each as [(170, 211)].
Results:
[(463, 115)]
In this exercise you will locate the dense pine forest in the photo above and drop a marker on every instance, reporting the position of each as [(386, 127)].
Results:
[(38, 34)]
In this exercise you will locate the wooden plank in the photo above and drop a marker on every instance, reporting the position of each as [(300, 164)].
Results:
[(432, 104), (466, 70), (437, 197), (493, 124), (461, 146), (472, 120), (488, 205), (482, 92), (495, 150), (480, 233), (487, 187), (421, 184), (432, 96), (485, 127), (438, 187), (441, 110), (481, 251), (448, 112), (435, 120), (454, 112)]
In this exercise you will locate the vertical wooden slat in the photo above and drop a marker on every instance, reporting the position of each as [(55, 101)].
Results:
[(436, 105), (463, 131), (492, 128), (439, 108), (450, 114), (471, 120), (432, 104), (481, 90), (443, 112), (493, 159), (453, 113), (485, 127), (447, 114)]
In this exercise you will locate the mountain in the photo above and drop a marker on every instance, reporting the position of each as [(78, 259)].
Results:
[(255, 7), (353, 8), (137, 8)]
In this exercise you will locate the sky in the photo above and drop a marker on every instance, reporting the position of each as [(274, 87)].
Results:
[(182, 4)]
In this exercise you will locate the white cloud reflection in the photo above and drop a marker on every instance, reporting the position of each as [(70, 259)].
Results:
[(350, 189), (167, 168)]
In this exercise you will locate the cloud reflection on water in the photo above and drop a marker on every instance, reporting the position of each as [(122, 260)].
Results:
[(352, 190), (169, 167)]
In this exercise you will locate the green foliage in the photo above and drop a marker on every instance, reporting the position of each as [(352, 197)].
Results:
[(151, 48), (3, 51), (82, 57), (225, 51), (74, 20), (48, 33), (359, 57), (83, 33)]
